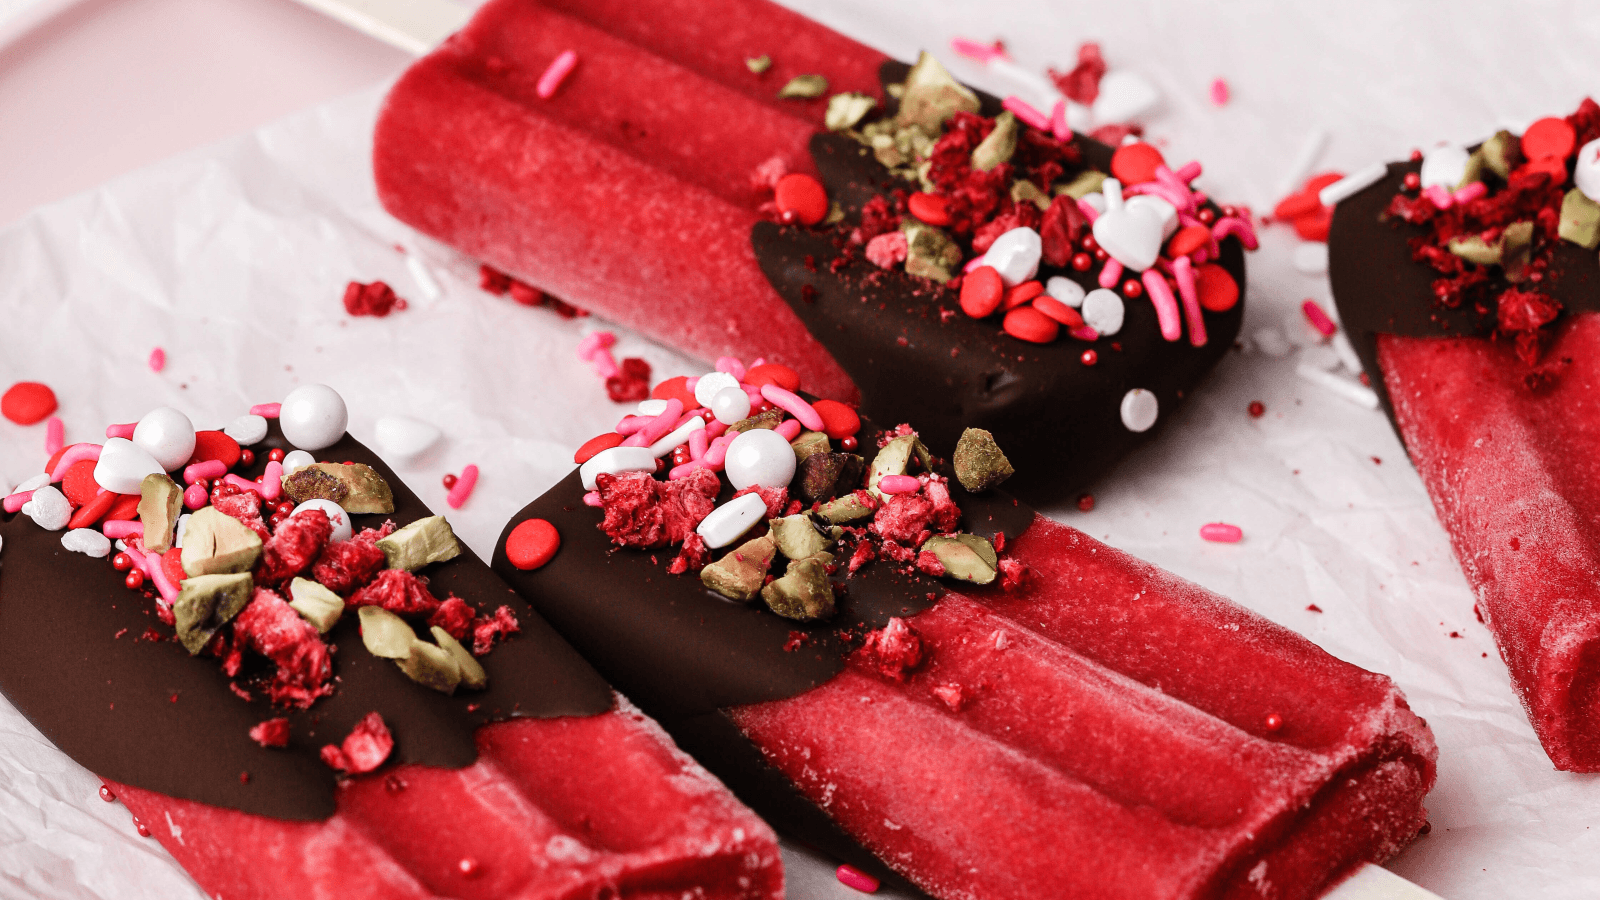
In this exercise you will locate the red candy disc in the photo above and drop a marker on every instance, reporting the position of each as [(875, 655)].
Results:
[(1021, 294), (532, 543), (79, 484), (1057, 310), (802, 195), (1318, 182), (929, 208), (1294, 206), (1028, 324), (27, 402), (673, 389), (595, 445), (1554, 165), (1314, 227), (772, 373), (1135, 163), (838, 421), (209, 445), (1188, 239), (1217, 289), (1549, 139), (981, 292)]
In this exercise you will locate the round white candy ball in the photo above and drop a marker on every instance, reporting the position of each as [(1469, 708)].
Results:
[(295, 460), (760, 458), (342, 531), (167, 435), (1586, 171), (730, 405), (313, 417), (710, 385)]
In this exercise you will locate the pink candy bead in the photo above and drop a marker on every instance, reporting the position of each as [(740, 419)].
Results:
[(75, 454), (1221, 533), (158, 359), (852, 877), (465, 482), (791, 403), (558, 71), (899, 484), (55, 434), (266, 410), (194, 496), (1110, 275), (1058, 122), (1219, 92), (789, 429), (1318, 319), (592, 499), (211, 468)]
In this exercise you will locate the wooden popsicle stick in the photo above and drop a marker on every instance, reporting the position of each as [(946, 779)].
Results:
[(415, 26)]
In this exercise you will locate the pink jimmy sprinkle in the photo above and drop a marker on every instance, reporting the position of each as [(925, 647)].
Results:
[(1221, 533), (717, 453), (680, 471), (75, 454), (715, 429), (605, 365), (631, 424), (272, 480), (1235, 226), (1167, 308), (1470, 193), (266, 410), (591, 499), (1084, 333), (759, 361), (899, 484), (245, 484), (1058, 121), (852, 877), (1219, 92), (551, 80), (731, 366), (1318, 319), (699, 441), (158, 359), (1176, 194), (1111, 274), (121, 431), (789, 430), (194, 496), (1183, 271), (211, 468), (15, 501), (597, 340), (465, 482), (793, 405), (1188, 172), (971, 49), (1025, 111), (658, 427), (121, 528), (55, 434), (150, 564)]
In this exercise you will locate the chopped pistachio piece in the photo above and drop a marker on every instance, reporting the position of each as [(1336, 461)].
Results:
[(160, 503), (216, 543), (895, 459), (1580, 220), (206, 603), (965, 557), (930, 253), (931, 95), (1498, 152), (365, 489), (769, 420), (384, 633), (999, 145), (315, 603), (835, 213), (423, 542), (740, 574), (1476, 164), (810, 442), (895, 90), (804, 593), (845, 110), (1516, 250), (1027, 192), (805, 87), (1474, 249), (979, 462), (1083, 184), (848, 508), (758, 64), (798, 536), (823, 476), (472, 674), (313, 483), (431, 666)]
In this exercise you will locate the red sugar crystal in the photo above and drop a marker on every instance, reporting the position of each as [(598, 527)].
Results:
[(271, 733), (643, 512)]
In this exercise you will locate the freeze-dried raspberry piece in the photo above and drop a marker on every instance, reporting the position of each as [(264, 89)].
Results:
[(455, 616), (946, 514), (904, 517), (347, 565), (271, 733), (693, 557), (240, 504), (364, 749), (888, 250), (775, 498), (643, 512), (1082, 83), (294, 546), (397, 591), (271, 627), (501, 625), (892, 650), (877, 218), (493, 280), (765, 177), (375, 299), (631, 383), (1013, 573), (893, 550), (863, 554), (1064, 223), (928, 563), (1014, 215)]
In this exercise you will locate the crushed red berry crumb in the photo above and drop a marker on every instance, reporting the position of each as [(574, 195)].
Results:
[(375, 299), (631, 383), (892, 650), (364, 749), (271, 733)]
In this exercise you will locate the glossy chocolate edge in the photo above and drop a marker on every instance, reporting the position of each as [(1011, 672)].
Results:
[(1379, 289), (145, 713), (1058, 419)]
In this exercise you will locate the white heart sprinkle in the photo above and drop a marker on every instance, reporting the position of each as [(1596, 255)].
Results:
[(1131, 234), (1015, 255), (123, 466), (403, 437), (1164, 211)]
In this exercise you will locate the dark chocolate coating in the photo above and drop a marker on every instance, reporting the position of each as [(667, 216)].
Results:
[(684, 653), (1380, 289), (147, 714), (1058, 420)]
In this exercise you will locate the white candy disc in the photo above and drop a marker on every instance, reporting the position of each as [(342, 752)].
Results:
[(616, 461), (295, 460), (1139, 409), (731, 405), (1586, 171), (1015, 255), (247, 430), (1065, 289), (402, 437), (123, 466), (313, 417), (87, 541), (1103, 311), (166, 434), (342, 531), (711, 384), (730, 520), (760, 457), (652, 407), (1445, 166)]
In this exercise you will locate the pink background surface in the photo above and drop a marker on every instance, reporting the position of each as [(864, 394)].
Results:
[(107, 86)]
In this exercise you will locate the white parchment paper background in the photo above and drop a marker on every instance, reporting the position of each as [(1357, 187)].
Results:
[(233, 258)]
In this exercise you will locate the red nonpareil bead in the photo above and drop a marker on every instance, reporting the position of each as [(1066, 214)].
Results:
[(449, 481), (1086, 502), (1274, 722), (850, 443), (1256, 409), (1413, 181), (1088, 244), (1416, 156), (247, 457), (135, 580), (121, 562), (469, 867), (284, 508), (1133, 288), (1082, 261), (1206, 215), (1089, 357), (1101, 254), (275, 454)]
